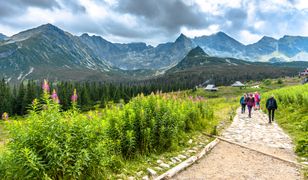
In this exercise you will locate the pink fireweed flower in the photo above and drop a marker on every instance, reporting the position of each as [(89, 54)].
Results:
[(5, 116), (45, 86), (74, 96), (55, 97)]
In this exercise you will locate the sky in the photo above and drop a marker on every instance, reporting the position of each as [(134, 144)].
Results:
[(159, 21)]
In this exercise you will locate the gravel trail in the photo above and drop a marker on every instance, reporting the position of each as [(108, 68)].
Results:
[(229, 161)]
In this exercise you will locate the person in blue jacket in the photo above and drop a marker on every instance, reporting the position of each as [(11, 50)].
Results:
[(243, 103)]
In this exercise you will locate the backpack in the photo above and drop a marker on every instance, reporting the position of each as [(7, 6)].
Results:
[(243, 100), (271, 104), (258, 97)]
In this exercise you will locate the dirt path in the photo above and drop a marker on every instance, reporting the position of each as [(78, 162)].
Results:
[(228, 161)]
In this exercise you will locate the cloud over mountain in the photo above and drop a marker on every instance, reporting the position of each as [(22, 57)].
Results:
[(155, 21)]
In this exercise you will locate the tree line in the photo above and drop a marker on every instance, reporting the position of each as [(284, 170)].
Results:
[(16, 99)]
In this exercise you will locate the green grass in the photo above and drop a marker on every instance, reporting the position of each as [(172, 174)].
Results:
[(224, 111), (32, 133), (3, 132), (292, 116), (232, 92), (120, 139)]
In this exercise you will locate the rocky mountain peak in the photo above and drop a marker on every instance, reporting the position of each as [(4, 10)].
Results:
[(197, 51), (182, 38), (267, 39)]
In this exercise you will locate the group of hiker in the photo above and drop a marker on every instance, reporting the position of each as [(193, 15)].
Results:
[(252, 101)]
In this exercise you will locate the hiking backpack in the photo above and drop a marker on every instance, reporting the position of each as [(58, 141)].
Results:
[(271, 104)]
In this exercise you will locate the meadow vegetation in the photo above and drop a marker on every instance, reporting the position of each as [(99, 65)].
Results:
[(292, 114), (126, 138), (53, 144)]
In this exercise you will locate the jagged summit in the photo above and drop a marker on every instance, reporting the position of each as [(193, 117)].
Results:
[(220, 33), (46, 29), (182, 38), (197, 51), (267, 39), (48, 26), (85, 35)]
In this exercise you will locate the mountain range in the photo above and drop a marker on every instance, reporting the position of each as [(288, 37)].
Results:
[(198, 67), (48, 50)]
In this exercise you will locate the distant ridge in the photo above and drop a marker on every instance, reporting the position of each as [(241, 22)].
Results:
[(2, 36), (49, 49)]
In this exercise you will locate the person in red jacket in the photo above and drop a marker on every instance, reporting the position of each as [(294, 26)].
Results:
[(257, 100), (250, 103)]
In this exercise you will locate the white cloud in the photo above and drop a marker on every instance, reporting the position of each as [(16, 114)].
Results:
[(245, 20), (301, 4), (95, 10), (200, 32), (247, 37), (259, 25)]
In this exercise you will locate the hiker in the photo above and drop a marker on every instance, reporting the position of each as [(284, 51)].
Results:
[(250, 103), (271, 106), (257, 100), (243, 103)]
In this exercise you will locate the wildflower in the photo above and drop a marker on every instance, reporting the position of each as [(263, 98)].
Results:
[(199, 98), (45, 86), (34, 102), (74, 96), (5, 116), (55, 97)]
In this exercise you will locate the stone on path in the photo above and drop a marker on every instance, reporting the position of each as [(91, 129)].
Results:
[(181, 156), (164, 165), (192, 151), (159, 161), (151, 172), (158, 168), (177, 159), (145, 178)]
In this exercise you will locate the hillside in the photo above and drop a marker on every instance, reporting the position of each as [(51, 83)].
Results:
[(49, 51), (198, 67)]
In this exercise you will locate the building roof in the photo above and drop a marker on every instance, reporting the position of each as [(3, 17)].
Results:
[(304, 73), (211, 87), (238, 84)]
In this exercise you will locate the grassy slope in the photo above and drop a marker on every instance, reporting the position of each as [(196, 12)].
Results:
[(292, 116)]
